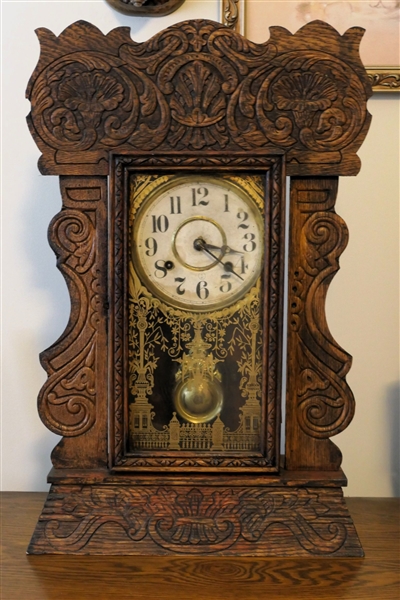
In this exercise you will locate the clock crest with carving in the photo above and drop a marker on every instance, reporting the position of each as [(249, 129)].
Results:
[(167, 382)]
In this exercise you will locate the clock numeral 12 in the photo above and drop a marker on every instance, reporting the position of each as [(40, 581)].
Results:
[(201, 192)]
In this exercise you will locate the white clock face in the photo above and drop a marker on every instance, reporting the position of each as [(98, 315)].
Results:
[(198, 243)]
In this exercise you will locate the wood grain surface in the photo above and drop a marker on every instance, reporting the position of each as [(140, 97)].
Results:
[(196, 97), (64, 577), (199, 91), (319, 402)]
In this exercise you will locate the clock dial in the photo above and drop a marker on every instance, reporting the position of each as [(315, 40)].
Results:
[(198, 242)]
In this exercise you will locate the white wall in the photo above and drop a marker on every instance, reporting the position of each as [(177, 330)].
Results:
[(362, 304)]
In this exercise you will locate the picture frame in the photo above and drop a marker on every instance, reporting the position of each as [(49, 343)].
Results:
[(380, 19)]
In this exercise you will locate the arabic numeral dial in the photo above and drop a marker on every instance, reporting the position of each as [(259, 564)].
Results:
[(197, 242)]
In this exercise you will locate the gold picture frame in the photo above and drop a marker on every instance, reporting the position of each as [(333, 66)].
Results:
[(233, 15), (383, 78)]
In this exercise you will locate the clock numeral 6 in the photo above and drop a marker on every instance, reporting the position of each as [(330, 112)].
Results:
[(202, 290)]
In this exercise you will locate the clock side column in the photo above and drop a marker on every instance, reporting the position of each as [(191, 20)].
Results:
[(319, 403), (73, 401)]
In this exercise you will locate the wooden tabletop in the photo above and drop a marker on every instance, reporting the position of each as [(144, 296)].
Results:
[(375, 577)]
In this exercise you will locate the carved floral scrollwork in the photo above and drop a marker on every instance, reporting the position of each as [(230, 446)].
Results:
[(298, 511), (303, 101), (91, 94), (85, 100), (72, 236), (200, 86), (67, 400), (194, 521), (304, 93)]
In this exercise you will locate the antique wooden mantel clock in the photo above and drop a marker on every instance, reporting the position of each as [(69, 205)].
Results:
[(166, 385)]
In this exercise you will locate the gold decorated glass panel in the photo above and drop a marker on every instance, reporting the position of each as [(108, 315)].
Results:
[(195, 313)]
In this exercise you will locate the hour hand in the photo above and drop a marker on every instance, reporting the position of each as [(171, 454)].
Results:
[(224, 249)]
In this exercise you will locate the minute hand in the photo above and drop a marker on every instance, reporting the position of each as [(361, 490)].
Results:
[(227, 266)]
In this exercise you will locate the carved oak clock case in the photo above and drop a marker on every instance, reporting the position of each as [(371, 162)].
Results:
[(166, 385)]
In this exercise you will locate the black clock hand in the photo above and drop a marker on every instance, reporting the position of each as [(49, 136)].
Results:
[(201, 245), (224, 249)]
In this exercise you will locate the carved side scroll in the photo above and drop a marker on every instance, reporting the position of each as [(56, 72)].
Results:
[(70, 402), (319, 402), (70, 392)]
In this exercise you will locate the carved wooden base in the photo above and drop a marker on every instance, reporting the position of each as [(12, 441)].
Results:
[(195, 519)]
